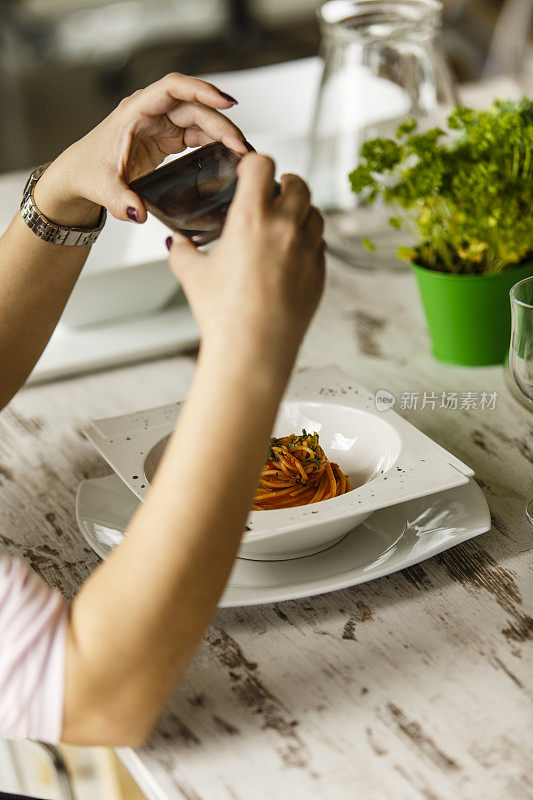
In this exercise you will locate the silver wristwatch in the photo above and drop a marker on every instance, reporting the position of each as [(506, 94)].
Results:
[(48, 231)]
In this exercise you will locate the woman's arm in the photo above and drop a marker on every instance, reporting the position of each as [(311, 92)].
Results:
[(36, 278), (139, 618)]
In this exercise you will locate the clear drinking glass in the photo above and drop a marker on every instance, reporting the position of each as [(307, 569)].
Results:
[(381, 66), (520, 363)]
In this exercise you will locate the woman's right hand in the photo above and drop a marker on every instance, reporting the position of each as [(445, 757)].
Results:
[(260, 286)]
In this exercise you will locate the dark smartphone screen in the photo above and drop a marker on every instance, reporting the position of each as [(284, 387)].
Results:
[(192, 194)]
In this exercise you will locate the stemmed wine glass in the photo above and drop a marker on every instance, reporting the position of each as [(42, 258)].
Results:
[(520, 364)]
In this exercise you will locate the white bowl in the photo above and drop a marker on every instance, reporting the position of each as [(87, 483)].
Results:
[(364, 446), (126, 274), (102, 297), (387, 459)]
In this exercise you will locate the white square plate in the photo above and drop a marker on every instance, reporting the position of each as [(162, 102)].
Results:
[(390, 540), (388, 461)]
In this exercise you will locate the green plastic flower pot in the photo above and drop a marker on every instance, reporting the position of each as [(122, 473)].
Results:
[(469, 316)]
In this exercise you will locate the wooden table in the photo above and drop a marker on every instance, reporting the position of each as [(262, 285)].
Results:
[(412, 686)]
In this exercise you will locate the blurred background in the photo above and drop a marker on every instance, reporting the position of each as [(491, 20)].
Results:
[(64, 64)]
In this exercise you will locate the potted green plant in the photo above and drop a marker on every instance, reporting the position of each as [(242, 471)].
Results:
[(466, 195)]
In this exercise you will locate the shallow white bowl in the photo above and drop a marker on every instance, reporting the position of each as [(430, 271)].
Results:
[(126, 274), (387, 459), (364, 445)]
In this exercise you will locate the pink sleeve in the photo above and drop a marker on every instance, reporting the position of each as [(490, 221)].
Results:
[(32, 654)]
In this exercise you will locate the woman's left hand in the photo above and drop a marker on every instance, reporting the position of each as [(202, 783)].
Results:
[(166, 117)]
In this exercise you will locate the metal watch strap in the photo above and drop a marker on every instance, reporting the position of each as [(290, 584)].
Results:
[(50, 232)]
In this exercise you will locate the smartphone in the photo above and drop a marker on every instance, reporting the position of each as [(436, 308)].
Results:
[(192, 194)]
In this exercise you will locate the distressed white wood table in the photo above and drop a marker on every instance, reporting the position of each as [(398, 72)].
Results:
[(412, 686)]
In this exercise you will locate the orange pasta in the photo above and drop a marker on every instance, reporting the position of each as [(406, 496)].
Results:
[(298, 472)]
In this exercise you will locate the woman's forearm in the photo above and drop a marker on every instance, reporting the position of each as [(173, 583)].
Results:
[(177, 554), (36, 279), (137, 621)]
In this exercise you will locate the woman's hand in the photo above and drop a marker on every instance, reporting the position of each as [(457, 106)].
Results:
[(261, 284), (166, 117)]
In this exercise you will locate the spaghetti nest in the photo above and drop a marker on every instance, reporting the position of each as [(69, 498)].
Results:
[(298, 472)]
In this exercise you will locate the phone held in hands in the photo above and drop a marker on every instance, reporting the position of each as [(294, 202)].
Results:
[(192, 194)]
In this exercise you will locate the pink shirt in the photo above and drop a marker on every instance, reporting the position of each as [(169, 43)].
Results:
[(32, 654)]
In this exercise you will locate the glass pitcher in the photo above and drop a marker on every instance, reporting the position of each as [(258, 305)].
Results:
[(381, 67)]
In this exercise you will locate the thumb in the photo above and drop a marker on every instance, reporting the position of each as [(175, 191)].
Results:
[(184, 259), (123, 203)]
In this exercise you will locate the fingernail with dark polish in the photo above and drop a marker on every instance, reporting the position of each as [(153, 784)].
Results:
[(132, 214), (168, 242), (249, 147), (228, 97)]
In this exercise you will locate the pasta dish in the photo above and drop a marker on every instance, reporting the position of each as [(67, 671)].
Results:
[(297, 472)]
